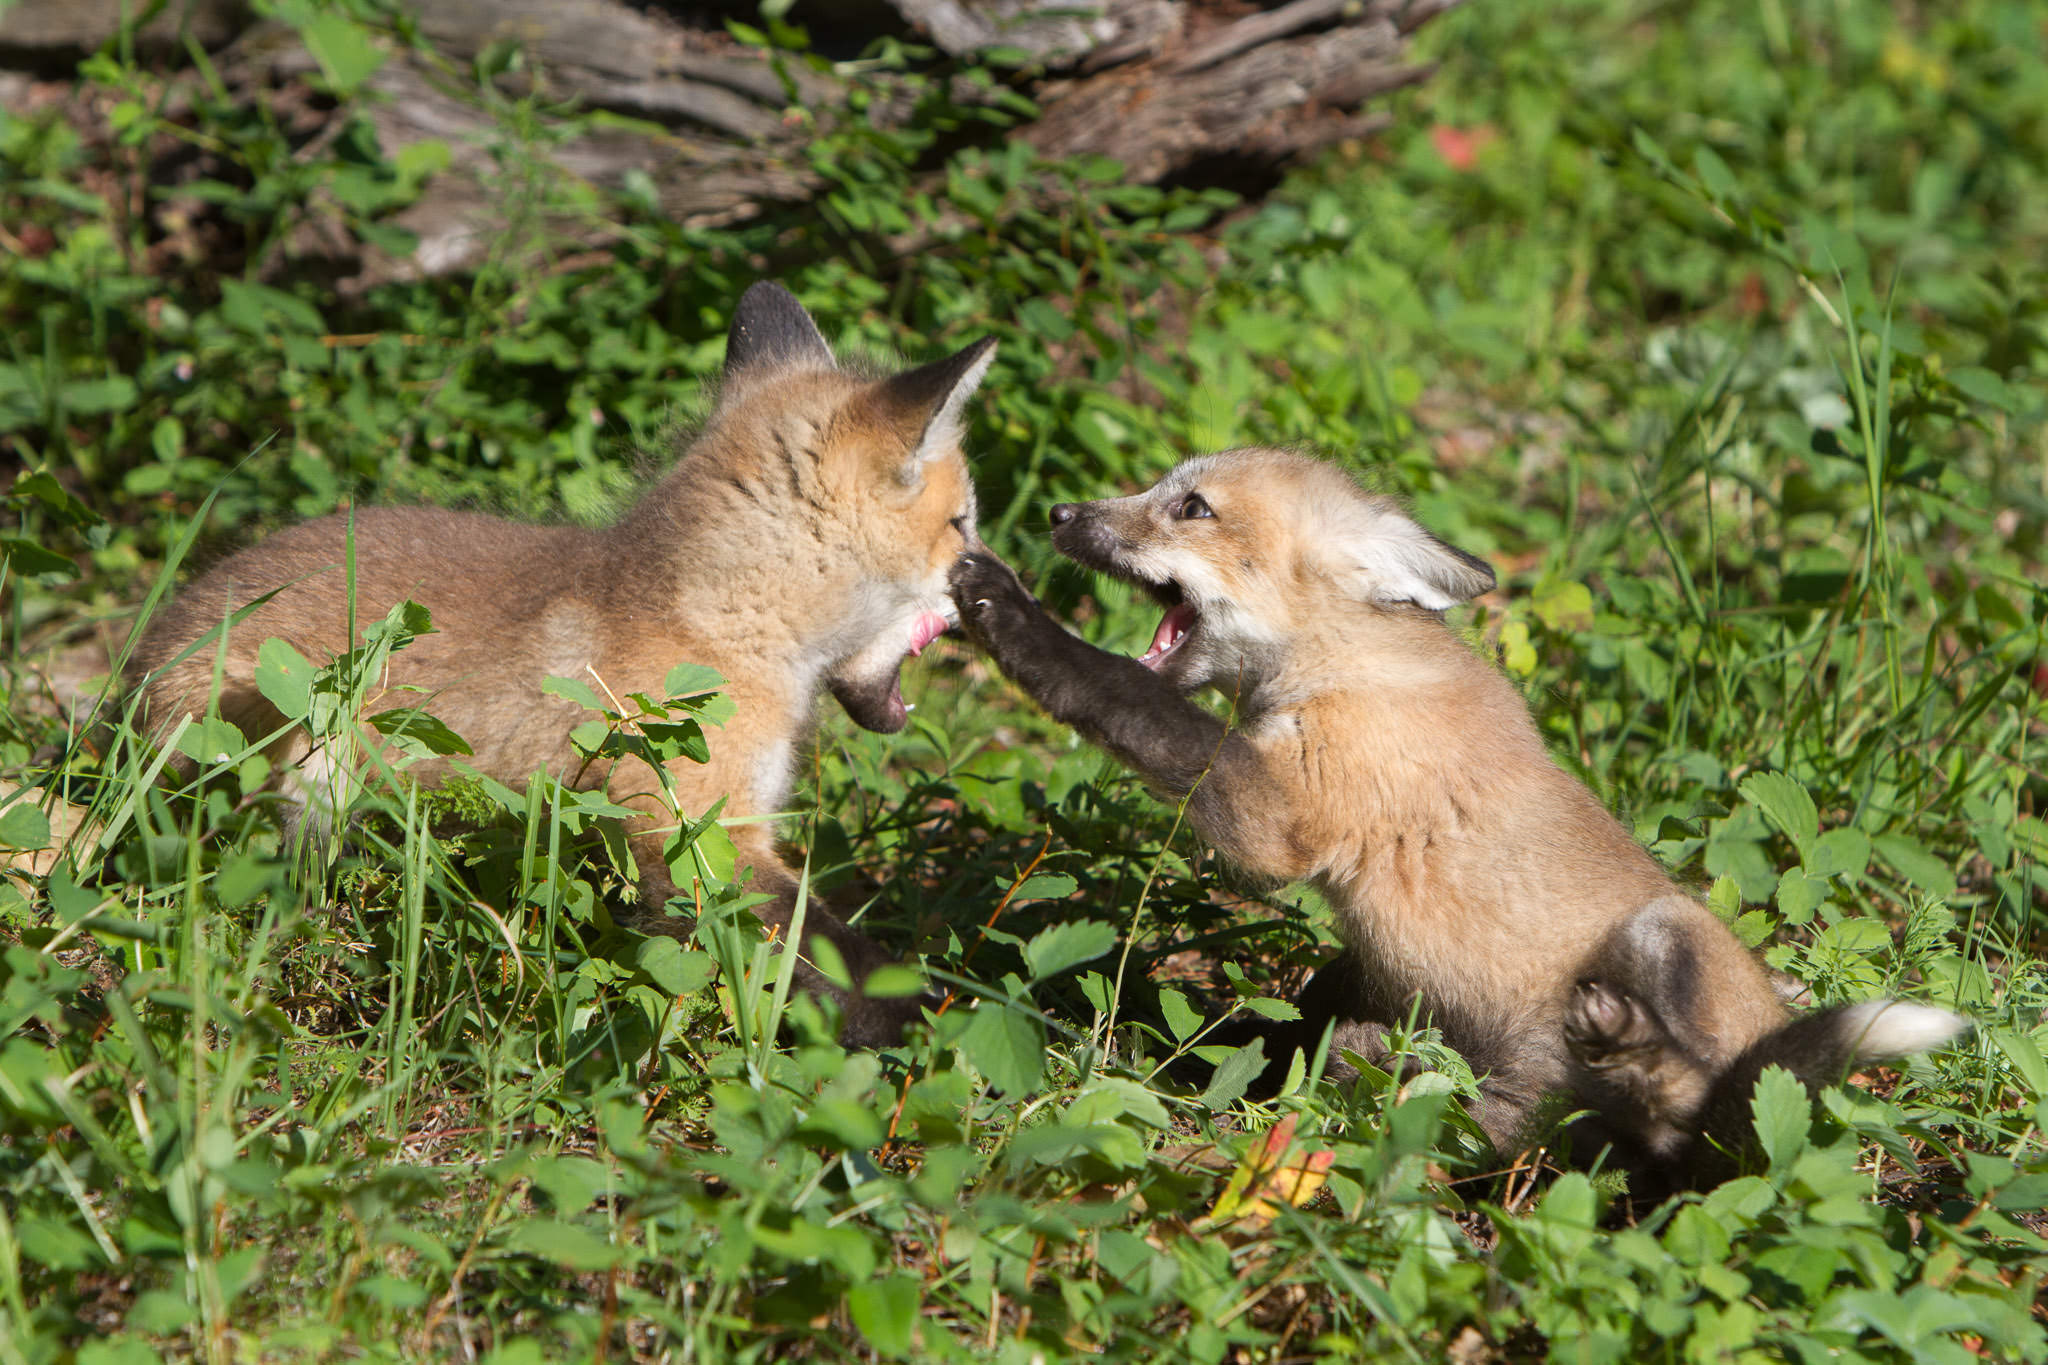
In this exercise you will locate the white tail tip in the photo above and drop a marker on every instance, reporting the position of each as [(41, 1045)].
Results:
[(1878, 1030)]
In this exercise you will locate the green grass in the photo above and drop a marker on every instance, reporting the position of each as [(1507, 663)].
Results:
[(1718, 329)]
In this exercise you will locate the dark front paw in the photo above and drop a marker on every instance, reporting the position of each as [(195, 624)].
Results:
[(988, 595)]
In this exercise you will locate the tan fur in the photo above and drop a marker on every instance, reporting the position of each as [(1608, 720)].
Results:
[(1407, 780), (1378, 756), (795, 545)]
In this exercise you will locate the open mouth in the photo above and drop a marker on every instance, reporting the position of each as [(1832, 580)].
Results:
[(1174, 627), (877, 703), (926, 629)]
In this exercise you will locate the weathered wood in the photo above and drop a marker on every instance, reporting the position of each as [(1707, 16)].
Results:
[(1160, 85), (1058, 33), (36, 32)]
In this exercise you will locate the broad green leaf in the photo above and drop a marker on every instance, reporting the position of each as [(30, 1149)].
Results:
[(1799, 895), (26, 557), (1007, 1046), (1735, 849), (160, 1311), (1056, 1144), (60, 1246), (1235, 1075), (1696, 1237), (1724, 898), (1715, 175), (1649, 148), (671, 966), (117, 393), (211, 740), (842, 1246), (893, 981), (569, 1245), (1047, 886), (885, 1312), (401, 624), (41, 485), (692, 680), (1911, 860), (1783, 1113), (577, 692), (23, 824), (1985, 387), (1516, 653), (259, 309), (1182, 1019), (1786, 805), (285, 678), (1111, 1098), (1569, 1210), (845, 1124), (1065, 946), (1753, 927), (167, 439), (411, 723), (344, 49), (1564, 606), (1841, 852), (1095, 989)]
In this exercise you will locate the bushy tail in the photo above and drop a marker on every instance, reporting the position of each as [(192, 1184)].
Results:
[(1820, 1048)]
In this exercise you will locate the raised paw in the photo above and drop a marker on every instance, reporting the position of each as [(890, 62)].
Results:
[(984, 589)]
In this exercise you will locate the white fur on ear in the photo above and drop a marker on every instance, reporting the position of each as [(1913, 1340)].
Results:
[(945, 429), (1384, 556), (937, 393)]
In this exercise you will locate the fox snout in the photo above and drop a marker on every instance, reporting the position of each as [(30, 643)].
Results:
[(1082, 534)]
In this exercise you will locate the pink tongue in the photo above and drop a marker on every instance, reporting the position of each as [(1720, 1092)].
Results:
[(1171, 627), (926, 629)]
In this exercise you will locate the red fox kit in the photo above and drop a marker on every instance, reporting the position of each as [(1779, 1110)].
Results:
[(1380, 758), (801, 544)]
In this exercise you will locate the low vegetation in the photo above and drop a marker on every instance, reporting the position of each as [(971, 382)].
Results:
[(1719, 330)]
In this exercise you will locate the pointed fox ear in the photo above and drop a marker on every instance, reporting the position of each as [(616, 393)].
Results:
[(934, 396), (1384, 556), (771, 330)]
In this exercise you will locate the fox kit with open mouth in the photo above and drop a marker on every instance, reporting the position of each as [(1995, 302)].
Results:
[(802, 544), (1379, 757)]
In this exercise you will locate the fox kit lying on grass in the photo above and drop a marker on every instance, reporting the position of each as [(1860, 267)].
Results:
[(1379, 757), (802, 543)]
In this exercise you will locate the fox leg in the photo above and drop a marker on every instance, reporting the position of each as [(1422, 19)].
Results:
[(1180, 750), (1660, 1009), (1645, 1086), (1668, 1033)]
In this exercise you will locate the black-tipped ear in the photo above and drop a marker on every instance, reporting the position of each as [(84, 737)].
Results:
[(771, 330), (935, 395)]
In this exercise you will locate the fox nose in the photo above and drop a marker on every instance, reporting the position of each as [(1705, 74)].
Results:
[(1064, 512)]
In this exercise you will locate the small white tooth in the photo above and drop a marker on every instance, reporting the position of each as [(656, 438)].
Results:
[(909, 706)]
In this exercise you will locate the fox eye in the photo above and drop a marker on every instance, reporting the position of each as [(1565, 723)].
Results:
[(1191, 507)]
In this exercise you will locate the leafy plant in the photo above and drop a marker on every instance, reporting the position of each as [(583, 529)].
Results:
[(1719, 331)]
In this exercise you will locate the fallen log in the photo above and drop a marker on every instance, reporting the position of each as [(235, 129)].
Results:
[(720, 126)]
